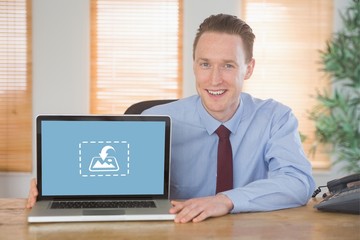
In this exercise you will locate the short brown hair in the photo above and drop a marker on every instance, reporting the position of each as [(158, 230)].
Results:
[(229, 24)]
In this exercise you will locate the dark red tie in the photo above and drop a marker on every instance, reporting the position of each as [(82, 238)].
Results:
[(224, 180)]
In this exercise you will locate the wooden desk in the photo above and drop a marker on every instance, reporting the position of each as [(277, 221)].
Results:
[(298, 223)]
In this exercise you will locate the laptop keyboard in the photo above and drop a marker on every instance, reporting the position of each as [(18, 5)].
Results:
[(103, 204)]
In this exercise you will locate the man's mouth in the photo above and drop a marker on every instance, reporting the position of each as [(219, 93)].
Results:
[(216, 93)]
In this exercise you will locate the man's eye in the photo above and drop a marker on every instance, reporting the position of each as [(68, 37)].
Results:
[(229, 66), (204, 65)]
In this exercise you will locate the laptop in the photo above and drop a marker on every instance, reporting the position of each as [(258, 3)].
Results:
[(102, 168)]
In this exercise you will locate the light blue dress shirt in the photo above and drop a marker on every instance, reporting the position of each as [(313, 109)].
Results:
[(270, 168)]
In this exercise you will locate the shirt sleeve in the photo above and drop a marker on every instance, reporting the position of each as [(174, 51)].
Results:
[(289, 182)]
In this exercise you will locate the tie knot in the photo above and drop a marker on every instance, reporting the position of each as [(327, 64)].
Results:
[(223, 132)]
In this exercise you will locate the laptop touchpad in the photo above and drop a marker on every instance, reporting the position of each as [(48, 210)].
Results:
[(103, 212)]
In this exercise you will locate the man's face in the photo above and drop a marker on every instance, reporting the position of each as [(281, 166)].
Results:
[(220, 70)]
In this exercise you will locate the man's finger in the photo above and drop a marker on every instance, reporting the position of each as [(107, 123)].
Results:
[(177, 206), (201, 217)]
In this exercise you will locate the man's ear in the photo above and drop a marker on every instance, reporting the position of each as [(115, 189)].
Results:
[(249, 69)]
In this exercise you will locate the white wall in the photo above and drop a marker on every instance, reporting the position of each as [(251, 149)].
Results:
[(61, 64)]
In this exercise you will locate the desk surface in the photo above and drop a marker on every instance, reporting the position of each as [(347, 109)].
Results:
[(297, 223)]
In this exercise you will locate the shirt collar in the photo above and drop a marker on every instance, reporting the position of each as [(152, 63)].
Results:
[(211, 124)]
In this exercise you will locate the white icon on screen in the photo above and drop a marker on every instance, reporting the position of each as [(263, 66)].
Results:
[(104, 158), (104, 163)]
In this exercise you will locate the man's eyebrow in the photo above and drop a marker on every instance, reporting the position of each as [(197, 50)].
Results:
[(231, 61), (226, 61), (202, 59)]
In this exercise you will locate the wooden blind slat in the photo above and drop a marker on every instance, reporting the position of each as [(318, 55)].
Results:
[(135, 53), (15, 86)]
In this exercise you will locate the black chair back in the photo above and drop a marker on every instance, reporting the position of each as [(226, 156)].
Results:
[(139, 107)]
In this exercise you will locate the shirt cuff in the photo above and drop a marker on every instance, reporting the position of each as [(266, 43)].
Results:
[(239, 199)]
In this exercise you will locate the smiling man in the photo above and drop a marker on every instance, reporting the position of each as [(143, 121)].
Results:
[(270, 170), (266, 168)]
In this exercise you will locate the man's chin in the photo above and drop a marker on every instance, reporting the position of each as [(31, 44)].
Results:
[(214, 107)]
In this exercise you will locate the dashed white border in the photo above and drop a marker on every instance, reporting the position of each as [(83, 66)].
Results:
[(105, 175)]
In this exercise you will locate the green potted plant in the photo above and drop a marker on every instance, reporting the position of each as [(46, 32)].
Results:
[(337, 115)]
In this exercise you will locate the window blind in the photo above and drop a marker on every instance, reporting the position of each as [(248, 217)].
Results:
[(289, 35), (136, 52), (15, 86)]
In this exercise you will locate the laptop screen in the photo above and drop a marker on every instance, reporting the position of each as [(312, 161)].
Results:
[(114, 156)]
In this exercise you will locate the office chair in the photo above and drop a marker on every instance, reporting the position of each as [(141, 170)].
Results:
[(138, 108)]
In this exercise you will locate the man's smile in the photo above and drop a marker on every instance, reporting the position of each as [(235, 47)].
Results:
[(216, 92)]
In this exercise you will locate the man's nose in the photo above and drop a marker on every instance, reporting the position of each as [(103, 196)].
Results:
[(216, 78)]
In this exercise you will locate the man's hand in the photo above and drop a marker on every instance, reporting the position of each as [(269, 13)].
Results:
[(33, 193), (199, 209)]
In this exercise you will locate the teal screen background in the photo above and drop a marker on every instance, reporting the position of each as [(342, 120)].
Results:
[(68, 147)]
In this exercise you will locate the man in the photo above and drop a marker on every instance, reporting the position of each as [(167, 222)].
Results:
[(270, 170)]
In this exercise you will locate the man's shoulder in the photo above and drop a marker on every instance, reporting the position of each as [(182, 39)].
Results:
[(269, 112), (257, 103), (264, 108)]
